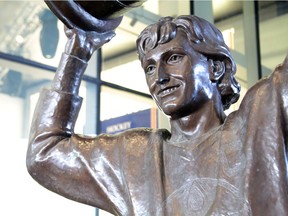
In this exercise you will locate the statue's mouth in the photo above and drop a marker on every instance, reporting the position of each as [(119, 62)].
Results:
[(167, 90)]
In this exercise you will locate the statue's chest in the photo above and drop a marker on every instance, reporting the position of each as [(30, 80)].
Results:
[(196, 182), (187, 162)]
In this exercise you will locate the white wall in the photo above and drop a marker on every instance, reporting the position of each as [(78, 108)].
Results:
[(11, 118), (20, 194)]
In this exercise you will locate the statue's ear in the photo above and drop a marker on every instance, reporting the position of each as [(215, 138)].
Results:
[(216, 69)]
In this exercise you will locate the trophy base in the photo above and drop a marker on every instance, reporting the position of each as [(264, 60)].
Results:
[(73, 15)]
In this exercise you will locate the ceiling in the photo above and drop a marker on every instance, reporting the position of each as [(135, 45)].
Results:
[(19, 17), (124, 42)]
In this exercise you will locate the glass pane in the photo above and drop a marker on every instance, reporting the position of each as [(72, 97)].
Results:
[(28, 29), (129, 75), (273, 22), (120, 62), (115, 103), (19, 90)]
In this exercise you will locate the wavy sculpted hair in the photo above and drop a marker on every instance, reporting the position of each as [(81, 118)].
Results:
[(205, 38)]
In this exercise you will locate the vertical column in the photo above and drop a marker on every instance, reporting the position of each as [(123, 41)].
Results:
[(202, 9), (252, 48), (98, 90), (92, 111)]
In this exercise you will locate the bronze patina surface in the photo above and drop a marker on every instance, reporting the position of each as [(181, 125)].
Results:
[(91, 15), (207, 164)]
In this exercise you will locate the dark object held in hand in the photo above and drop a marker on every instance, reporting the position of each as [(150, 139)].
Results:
[(100, 16)]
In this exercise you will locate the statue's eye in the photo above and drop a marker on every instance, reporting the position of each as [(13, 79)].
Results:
[(175, 58), (150, 69)]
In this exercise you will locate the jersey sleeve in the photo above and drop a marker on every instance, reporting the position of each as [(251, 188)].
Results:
[(71, 165)]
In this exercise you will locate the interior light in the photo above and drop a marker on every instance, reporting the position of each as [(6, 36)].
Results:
[(19, 39)]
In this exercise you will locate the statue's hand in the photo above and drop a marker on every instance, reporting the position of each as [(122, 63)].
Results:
[(82, 44)]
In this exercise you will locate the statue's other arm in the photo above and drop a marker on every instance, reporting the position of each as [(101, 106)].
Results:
[(264, 113), (283, 70)]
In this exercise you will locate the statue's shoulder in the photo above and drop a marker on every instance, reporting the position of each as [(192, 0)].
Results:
[(147, 133), (137, 134)]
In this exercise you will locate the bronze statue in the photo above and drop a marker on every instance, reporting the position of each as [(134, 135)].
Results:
[(209, 164)]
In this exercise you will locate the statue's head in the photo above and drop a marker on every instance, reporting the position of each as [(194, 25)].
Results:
[(204, 38)]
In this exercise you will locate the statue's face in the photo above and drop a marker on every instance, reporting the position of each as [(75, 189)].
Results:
[(177, 77)]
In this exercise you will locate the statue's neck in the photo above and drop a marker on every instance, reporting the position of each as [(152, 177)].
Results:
[(197, 123)]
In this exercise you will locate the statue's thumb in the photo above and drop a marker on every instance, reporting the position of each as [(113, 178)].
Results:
[(101, 38), (108, 35)]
